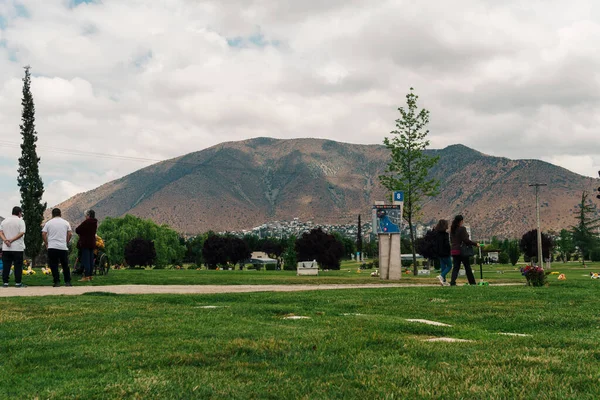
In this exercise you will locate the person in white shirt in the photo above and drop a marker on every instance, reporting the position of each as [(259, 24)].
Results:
[(57, 235), (12, 233)]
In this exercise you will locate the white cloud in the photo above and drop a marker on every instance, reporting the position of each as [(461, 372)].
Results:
[(579, 164), (161, 79), (58, 190)]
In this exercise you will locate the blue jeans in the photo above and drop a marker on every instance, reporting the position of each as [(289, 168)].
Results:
[(87, 256), (445, 266)]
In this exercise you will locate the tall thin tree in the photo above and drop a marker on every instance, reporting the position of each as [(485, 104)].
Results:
[(359, 239), (409, 168), (30, 183), (584, 236)]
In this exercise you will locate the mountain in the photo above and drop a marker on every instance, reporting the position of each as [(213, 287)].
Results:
[(240, 185)]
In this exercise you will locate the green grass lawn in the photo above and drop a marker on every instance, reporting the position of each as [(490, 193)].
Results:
[(355, 344), (348, 274)]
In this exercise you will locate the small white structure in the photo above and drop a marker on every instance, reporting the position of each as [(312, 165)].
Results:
[(494, 256), (261, 258), (308, 268)]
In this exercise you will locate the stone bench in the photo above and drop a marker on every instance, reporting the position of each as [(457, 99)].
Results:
[(307, 268)]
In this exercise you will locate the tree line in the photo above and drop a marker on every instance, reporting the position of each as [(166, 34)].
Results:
[(133, 241)]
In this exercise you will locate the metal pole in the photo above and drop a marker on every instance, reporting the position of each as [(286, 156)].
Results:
[(540, 257)]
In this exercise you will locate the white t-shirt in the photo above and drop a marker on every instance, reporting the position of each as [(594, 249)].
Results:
[(11, 227), (57, 229)]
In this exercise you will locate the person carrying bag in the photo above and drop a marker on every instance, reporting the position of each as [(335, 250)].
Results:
[(462, 250)]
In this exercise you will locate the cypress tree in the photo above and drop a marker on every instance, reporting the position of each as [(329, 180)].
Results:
[(30, 183), (359, 239)]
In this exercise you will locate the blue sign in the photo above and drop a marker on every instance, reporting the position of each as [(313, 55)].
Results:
[(387, 219), (398, 196)]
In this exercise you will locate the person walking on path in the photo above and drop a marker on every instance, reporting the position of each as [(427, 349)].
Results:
[(12, 233), (57, 234), (442, 250), (87, 242), (460, 243)]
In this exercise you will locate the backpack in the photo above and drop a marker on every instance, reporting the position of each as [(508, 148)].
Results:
[(428, 245)]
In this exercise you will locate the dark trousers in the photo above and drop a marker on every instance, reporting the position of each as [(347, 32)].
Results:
[(8, 259), (457, 260), (87, 259), (56, 256)]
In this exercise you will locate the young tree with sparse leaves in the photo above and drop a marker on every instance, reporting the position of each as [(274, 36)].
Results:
[(409, 168), (29, 180)]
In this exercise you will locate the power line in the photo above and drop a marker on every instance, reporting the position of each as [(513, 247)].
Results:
[(229, 167)]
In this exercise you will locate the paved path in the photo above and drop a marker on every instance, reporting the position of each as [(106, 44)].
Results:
[(195, 289)]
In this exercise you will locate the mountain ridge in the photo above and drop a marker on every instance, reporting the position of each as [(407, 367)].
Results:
[(241, 184)]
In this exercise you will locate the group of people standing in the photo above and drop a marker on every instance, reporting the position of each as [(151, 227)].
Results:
[(450, 249), (56, 234)]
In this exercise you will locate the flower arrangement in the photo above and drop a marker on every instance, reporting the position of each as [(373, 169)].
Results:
[(536, 276), (29, 271)]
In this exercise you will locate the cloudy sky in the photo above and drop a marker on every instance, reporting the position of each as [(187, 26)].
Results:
[(155, 79)]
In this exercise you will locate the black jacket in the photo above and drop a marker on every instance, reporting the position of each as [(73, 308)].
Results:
[(442, 244), (461, 236)]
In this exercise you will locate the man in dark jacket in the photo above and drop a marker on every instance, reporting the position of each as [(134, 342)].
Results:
[(87, 242)]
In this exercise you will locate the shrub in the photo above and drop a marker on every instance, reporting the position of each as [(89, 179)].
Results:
[(140, 252), (406, 263), (366, 265), (504, 258), (271, 267)]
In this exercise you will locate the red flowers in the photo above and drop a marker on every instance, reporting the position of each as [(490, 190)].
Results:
[(536, 276)]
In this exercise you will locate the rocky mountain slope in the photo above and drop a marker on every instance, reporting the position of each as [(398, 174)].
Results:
[(239, 185)]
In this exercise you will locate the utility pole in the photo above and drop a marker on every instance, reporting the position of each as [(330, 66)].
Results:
[(539, 231)]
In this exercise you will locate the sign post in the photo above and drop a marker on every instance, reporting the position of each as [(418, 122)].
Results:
[(387, 224), (398, 199)]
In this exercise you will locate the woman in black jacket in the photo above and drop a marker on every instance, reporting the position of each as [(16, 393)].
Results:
[(442, 250), (87, 243), (460, 238)]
